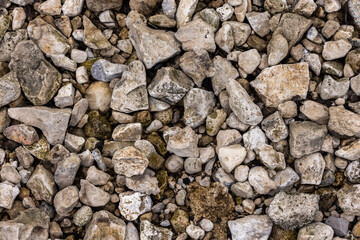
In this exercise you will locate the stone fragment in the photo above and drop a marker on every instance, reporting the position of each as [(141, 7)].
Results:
[(224, 38), (348, 199), (185, 11), (304, 7), (174, 163), (193, 165), (259, 22), (93, 37), (65, 96), (22, 134), (293, 211), (72, 8), (275, 127), (169, 8), (249, 61), (270, 158), (134, 204), (251, 227), (214, 121), (8, 193), (153, 46), (143, 183), (315, 111), (106, 71), (82, 216), (225, 11), (339, 225), (129, 162), (277, 49), (97, 126), (332, 6), (317, 230), (336, 49), (231, 156), (254, 138), (24, 157), (78, 112), (170, 85), (41, 184), (343, 122), (66, 171), (261, 182), (286, 178), (4, 24), (127, 132), (354, 11), (350, 151), (9, 42), (18, 18), (50, 7), (66, 199), (242, 189), (281, 83), (195, 232), (97, 177), (184, 143), (92, 196), (310, 168), (74, 143), (223, 71), (53, 122), (352, 172), (149, 231)]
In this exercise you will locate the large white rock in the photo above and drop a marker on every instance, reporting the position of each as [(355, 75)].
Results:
[(231, 156), (251, 227)]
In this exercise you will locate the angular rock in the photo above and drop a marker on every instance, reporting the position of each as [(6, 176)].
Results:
[(65, 96), (97, 177), (149, 231), (310, 168), (8, 193), (185, 11), (143, 184), (350, 151), (127, 132), (270, 158), (261, 182), (129, 162), (66, 170), (259, 22), (254, 138), (316, 230), (336, 49), (93, 37), (50, 7), (9, 42), (72, 8), (339, 225), (91, 195), (223, 71), (343, 122), (281, 83), (249, 61), (315, 111), (277, 49), (275, 127), (251, 227), (4, 24), (349, 199), (106, 71), (231, 156), (134, 204), (22, 134), (184, 143), (354, 10), (9, 88), (332, 89), (53, 122), (78, 112), (66, 199), (352, 172), (41, 184), (286, 178)]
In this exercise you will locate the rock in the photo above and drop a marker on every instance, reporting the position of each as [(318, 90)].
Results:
[(223, 71), (281, 83), (185, 11), (314, 63), (251, 227), (180, 220), (332, 89), (8, 193), (129, 162), (60, 60), (354, 11), (348, 199), (254, 138), (275, 127), (106, 71), (195, 232), (24, 157), (92, 196), (270, 158), (242, 105), (224, 38), (53, 122), (78, 56), (315, 111), (148, 231), (293, 211), (259, 179), (332, 6), (249, 61), (134, 204), (170, 85), (352, 172), (350, 151), (22, 134), (41, 184), (105, 225), (18, 19), (343, 122), (162, 20), (169, 8), (340, 225), (40, 149), (292, 27), (33, 70), (97, 177), (207, 225), (82, 216), (193, 165), (66, 170), (97, 126), (231, 156), (93, 37), (72, 8), (305, 7), (301, 143), (50, 41), (286, 178), (259, 22), (130, 92), (31, 223), (214, 122), (82, 75), (127, 132), (242, 189), (143, 183), (98, 97), (10, 174), (353, 59), (355, 84), (9, 42), (65, 96), (66, 199), (22, 2), (147, 42), (196, 34), (241, 173), (277, 49), (336, 49), (310, 168), (316, 230), (143, 7), (4, 24), (198, 103), (50, 7)]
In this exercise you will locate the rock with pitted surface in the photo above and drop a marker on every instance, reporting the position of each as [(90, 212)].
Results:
[(129, 162), (9, 42), (91, 195), (133, 204), (251, 227)]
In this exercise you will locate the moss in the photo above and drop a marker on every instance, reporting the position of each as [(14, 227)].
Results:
[(162, 178), (158, 143), (98, 126), (91, 143), (279, 233), (144, 117), (339, 179), (40, 148), (88, 63), (180, 220), (155, 160)]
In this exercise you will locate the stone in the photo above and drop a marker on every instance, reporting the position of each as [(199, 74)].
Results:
[(249, 61), (195, 232), (93, 37), (41, 184), (314, 63), (241, 173), (50, 7), (242, 105), (231, 156), (330, 28), (65, 96), (127, 132), (103, 224), (286, 178), (39, 80), (355, 84), (185, 11), (53, 122), (259, 22), (66, 199), (354, 11), (66, 171), (240, 31), (130, 94), (293, 211), (78, 56), (24, 157), (223, 71), (261, 182), (4, 24), (106, 71), (343, 122), (50, 41), (18, 18), (97, 177), (74, 143), (22, 134), (340, 226), (270, 158), (275, 127), (332, 89), (198, 103), (161, 20), (315, 111), (8, 193), (336, 49), (170, 85), (169, 8), (288, 109), (332, 6), (153, 46), (174, 163), (131, 232), (317, 230), (221, 176), (251, 227), (10, 174), (353, 59), (129, 161), (78, 112), (305, 8), (348, 199), (206, 224), (350, 151), (97, 126), (72, 8), (214, 122), (134, 204), (143, 183), (352, 172), (196, 34), (281, 83), (82, 75), (193, 165), (9, 42), (277, 49), (254, 138), (91, 195), (301, 143), (310, 168), (242, 189), (224, 38), (149, 231), (60, 60), (82, 216)]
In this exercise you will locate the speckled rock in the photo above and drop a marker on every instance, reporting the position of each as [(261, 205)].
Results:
[(134, 204), (129, 162), (251, 227)]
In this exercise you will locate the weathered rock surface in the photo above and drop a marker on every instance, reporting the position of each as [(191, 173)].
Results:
[(251, 227)]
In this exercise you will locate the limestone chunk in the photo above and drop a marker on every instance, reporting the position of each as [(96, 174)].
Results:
[(134, 204), (261, 182), (93, 37), (129, 161), (184, 143), (92, 196), (223, 71), (343, 122), (66, 199), (350, 151), (251, 227), (275, 127), (310, 168), (41, 184), (231, 156), (8, 193)]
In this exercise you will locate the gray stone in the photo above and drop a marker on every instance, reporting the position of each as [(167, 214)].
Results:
[(332, 89), (259, 22), (185, 11), (72, 8), (254, 138), (91, 195), (343, 122), (78, 112), (9, 88), (66, 170), (286, 178), (349, 199), (106, 71), (336, 49), (93, 37), (339, 225), (315, 111), (134, 204), (275, 127), (251, 227), (242, 189), (143, 183), (310, 168), (8, 193), (82, 216), (149, 231), (42, 185), (249, 61), (9, 42), (24, 157), (317, 230), (193, 165), (350, 151), (270, 158), (66, 199), (183, 143), (354, 10), (223, 71), (174, 163), (10, 174), (261, 182), (65, 96), (277, 49)]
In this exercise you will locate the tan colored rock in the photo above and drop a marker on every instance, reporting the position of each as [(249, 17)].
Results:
[(343, 122), (129, 162)]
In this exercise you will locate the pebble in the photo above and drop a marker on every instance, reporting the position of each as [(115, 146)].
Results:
[(223, 70), (350, 151), (18, 18), (174, 163), (331, 88), (93, 37), (261, 182), (65, 96), (286, 178), (310, 168), (72, 8), (195, 232), (66, 199), (91, 195), (339, 225), (66, 170), (343, 122), (97, 177), (183, 143), (106, 71), (275, 127), (127, 132), (8, 193), (206, 224), (315, 111), (82, 216), (318, 229), (231, 156), (22, 134), (143, 183), (134, 204), (185, 11), (251, 227), (42, 185), (148, 231), (270, 158)]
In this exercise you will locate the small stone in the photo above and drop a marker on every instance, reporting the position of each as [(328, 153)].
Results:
[(195, 232), (66, 199), (129, 162), (82, 216), (251, 227), (24, 157), (318, 229), (354, 11), (184, 143), (18, 18), (93, 37), (286, 178), (330, 28), (352, 172), (22, 134), (9, 42), (66, 171), (78, 56), (161, 20), (193, 165), (223, 71), (305, 7), (315, 111), (134, 204), (174, 163), (214, 121), (340, 226), (331, 88), (169, 8), (65, 96), (82, 75), (50, 7), (106, 71), (242, 189), (270, 158), (241, 173), (8, 193), (310, 168), (332, 5), (78, 112), (224, 38), (249, 60), (72, 8), (148, 231), (231, 156), (131, 232), (10, 174), (4, 24), (277, 49), (288, 109), (97, 177), (91, 195), (336, 49), (225, 11), (350, 151), (74, 143), (343, 122), (314, 63), (259, 22), (40, 149), (254, 138), (185, 11), (260, 180), (97, 126), (41, 184), (275, 127), (144, 184), (127, 132), (293, 211)]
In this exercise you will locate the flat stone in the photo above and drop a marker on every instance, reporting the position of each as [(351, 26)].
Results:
[(286, 178), (105, 225), (78, 112), (8, 193), (315, 111), (106, 71), (66, 170), (317, 229), (143, 183), (332, 89), (310, 168), (354, 10), (41, 184), (349, 199), (93, 37), (223, 71), (153, 46), (301, 143), (22, 134), (184, 143), (251, 227), (170, 85), (350, 151), (281, 83), (50, 7), (293, 211), (82, 216), (242, 189), (9, 42), (39, 80), (134, 204), (261, 182), (343, 122), (65, 96), (129, 162), (340, 226), (53, 122), (149, 231), (259, 22), (92, 196), (66, 199)]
